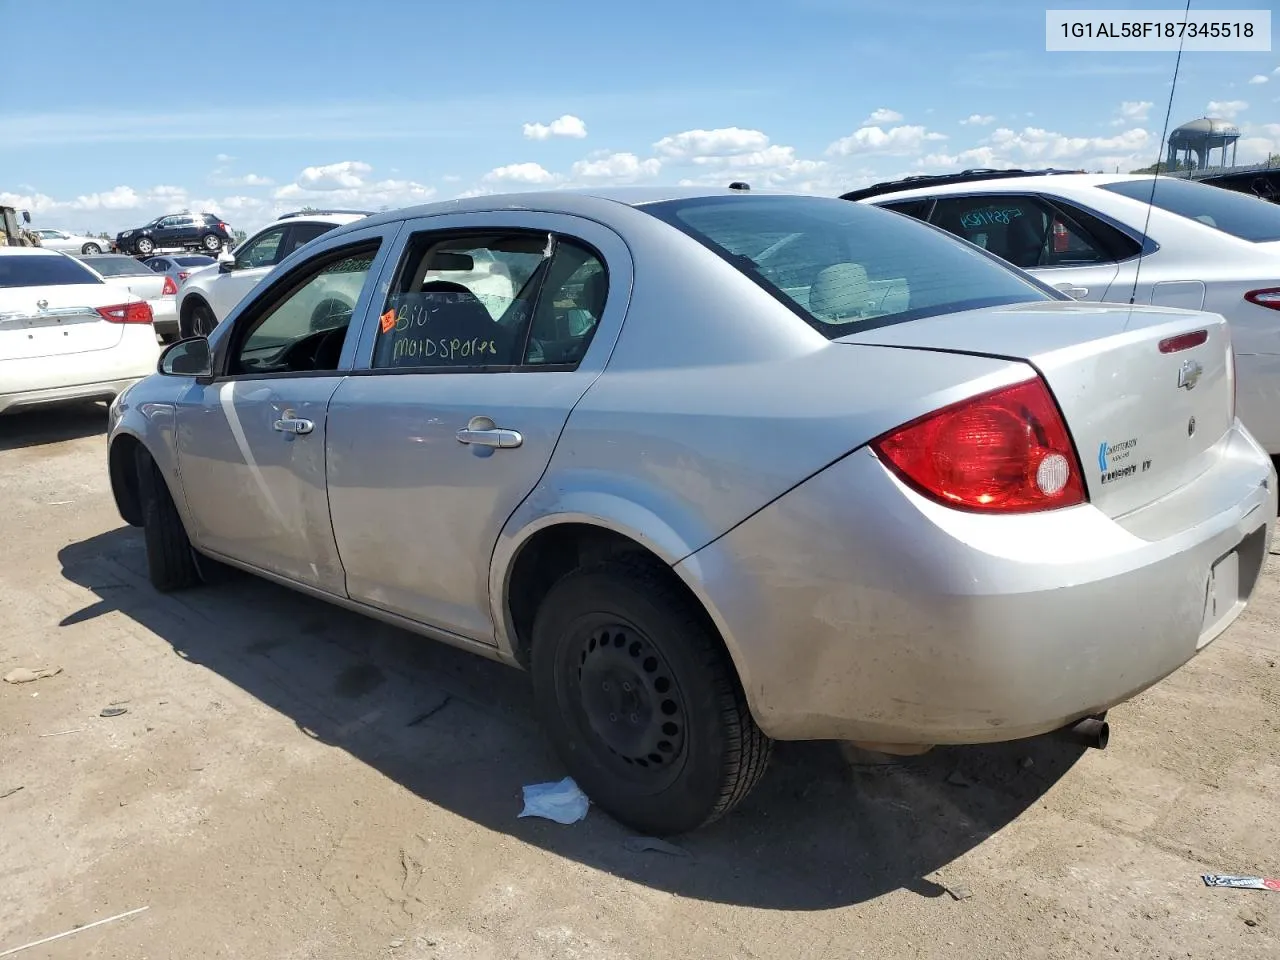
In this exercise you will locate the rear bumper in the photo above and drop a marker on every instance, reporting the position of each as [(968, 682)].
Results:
[(93, 375), (165, 316), (855, 609)]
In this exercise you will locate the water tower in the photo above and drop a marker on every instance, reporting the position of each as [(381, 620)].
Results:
[(1192, 144)]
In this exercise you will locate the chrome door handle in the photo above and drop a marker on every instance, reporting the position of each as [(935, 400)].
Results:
[(294, 425), (1072, 291), (490, 437)]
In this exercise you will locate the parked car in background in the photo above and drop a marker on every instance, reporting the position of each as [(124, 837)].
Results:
[(65, 242), (65, 333), (706, 501), (206, 299), (179, 266), (1205, 248), (158, 290), (203, 231)]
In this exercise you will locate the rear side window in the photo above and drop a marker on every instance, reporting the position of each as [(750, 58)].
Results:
[(42, 271), (847, 266), (491, 300), (1238, 214), (1026, 231)]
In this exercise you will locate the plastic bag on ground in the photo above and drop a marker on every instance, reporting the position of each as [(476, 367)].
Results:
[(564, 802)]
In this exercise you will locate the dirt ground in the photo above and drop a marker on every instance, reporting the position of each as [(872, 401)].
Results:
[(291, 781)]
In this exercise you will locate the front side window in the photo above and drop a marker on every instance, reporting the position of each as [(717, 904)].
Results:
[(491, 300), (844, 267), (263, 250), (306, 329), (1238, 214)]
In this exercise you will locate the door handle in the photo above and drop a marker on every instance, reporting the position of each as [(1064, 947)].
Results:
[(294, 425), (490, 437), (1072, 291)]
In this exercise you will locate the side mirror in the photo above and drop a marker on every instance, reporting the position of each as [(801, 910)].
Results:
[(26, 216), (187, 358), (226, 266)]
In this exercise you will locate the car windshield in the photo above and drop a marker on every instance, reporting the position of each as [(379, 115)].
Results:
[(42, 271), (194, 261), (118, 266), (845, 266), (1238, 214)]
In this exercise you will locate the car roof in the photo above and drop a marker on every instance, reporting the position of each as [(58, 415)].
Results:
[(582, 201), (1032, 182), (7, 251)]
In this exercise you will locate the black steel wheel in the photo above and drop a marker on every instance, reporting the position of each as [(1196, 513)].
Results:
[(641, 699)]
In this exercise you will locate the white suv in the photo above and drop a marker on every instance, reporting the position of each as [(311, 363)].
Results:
[(211, 293)]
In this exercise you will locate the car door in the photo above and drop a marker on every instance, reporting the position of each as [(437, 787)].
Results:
[(253, 261), (251, 438), (488, 330), (186, 231), (1035, 234)]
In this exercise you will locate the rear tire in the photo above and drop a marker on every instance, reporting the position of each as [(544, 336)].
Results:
[(171, 563), (211, 242), (641, 700)]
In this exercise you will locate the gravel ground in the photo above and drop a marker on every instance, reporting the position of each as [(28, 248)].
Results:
[(293, 781)]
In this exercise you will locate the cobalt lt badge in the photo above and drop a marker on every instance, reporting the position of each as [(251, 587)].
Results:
[(1189, 374)]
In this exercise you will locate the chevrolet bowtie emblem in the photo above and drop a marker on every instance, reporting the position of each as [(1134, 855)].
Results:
[(1189, 374), (42, 304)]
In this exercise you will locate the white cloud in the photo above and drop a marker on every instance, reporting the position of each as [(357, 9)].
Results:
[(1258, 78), (334, 176), (894, 141), (224, 158), (725, 141), (345, 184), (1258, 149), (882, 115), (532, 174), (978, 120), (1136, 110), (566, 126), (616, 168), (1226, 108), (248, 180)]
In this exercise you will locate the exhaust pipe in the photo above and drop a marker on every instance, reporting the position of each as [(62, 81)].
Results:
[(1090, 732)]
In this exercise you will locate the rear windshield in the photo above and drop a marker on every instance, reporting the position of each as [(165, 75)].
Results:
[(42, 271), (193, 261), (119, 267), (1239, 214), (845, 267)]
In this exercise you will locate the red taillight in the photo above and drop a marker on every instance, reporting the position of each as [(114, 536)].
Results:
[(183, 274), (1183, 341), (1007, 451), (169, 288), (1269, 298), (138, 312)]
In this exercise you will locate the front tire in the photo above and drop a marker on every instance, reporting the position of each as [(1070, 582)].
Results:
[(198, 320), (145, 246), (89, 249), (641, 700), (171, 564)]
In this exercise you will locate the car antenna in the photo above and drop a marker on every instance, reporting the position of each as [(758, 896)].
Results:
[(1164, 133)]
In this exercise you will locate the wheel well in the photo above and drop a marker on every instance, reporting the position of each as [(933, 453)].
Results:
[(122, 466), (554, 552), (189, 304)]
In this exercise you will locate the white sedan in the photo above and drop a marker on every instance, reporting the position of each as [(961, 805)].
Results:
[(1204, 248), (66, 334), (65, 242), (159, 290)]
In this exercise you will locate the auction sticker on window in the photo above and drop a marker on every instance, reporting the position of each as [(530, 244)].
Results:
[(1226, 31)]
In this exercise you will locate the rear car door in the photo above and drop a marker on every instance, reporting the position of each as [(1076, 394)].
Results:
[(251, 439), (488, 330), (1035, 234)]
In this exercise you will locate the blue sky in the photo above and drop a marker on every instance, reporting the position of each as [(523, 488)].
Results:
[(391, 102)]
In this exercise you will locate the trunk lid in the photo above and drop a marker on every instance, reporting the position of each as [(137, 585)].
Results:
[(66, 324), (149, 287), (1146, 419)]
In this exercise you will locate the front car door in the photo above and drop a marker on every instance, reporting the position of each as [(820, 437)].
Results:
[(256, 258), (251, 439), (487, 331)]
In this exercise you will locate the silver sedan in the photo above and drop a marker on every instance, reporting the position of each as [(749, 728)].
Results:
[(717, 468)]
